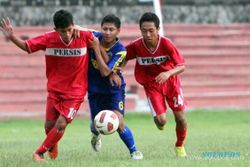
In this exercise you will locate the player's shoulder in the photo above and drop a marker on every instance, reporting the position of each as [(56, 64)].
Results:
[(85, 32), (50, 33), (119, 46), (137, 41), (97, 33), (166, 40)]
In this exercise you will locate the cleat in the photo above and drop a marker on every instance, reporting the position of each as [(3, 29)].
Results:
[(39, 157), (53, 152), (180, 151), (96, 142), (136, 155)]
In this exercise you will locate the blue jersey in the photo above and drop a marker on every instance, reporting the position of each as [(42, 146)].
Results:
[(101, 85)]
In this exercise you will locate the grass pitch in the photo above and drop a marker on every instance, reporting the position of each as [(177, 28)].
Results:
[(214, 139)]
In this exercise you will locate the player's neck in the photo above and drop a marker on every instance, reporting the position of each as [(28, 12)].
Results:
[(107, 44), (151, 45)]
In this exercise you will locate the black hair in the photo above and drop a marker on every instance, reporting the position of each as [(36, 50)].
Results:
[(151, 17), (111, 18), (63, 19)]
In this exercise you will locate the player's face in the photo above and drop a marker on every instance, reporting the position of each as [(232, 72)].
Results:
[(149, 32), (110, 32), (66, 33)]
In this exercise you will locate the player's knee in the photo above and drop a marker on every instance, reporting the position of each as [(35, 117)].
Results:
[(49, 125), (160, 122), (121, 124), (61, 123), (61, 126), (181, 122)]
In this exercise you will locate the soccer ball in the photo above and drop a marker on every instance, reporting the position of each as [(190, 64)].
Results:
[(106, 122)]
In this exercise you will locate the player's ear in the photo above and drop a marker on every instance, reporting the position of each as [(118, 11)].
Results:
[(118, 30), (158, 29)]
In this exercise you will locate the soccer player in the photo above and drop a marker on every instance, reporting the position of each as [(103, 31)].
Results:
[(66, 71), (105, 95), (158, 63)]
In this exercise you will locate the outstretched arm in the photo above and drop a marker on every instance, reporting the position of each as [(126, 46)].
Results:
[(7, 30)]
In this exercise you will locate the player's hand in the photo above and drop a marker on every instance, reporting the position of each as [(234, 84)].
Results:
[(6, 27), (95, 42), (118, 69), (162, 77), (115, 80), (77, 30)]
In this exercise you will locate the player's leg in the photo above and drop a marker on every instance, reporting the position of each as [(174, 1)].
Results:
[(52, 152), (52, 138), (95, 105), (127, 137), (157, 105), (177, 103), (51, 116), (116, 103), (181, 132), (67, 109)]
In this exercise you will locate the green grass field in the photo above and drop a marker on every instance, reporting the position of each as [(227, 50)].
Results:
[(210, 134)]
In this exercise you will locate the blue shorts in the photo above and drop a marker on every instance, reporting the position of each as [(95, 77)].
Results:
[(99, 102)]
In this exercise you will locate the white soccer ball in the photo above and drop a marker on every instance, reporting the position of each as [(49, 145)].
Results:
[(106, 122)]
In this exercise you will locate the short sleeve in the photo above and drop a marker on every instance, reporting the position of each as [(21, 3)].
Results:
[(117, 59), (89, 37), (174, 53), (36, 43), (131, 52)]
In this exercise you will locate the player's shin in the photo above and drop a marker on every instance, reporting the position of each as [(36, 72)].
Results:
[(128, 139), (181, 136), (52, 138), (93, 130)]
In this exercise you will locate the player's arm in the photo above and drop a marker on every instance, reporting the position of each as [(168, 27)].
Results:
[(104, 69), (178, 60), (76, 34), (120, 68), (104, 55), (163, 76), (7, 30)]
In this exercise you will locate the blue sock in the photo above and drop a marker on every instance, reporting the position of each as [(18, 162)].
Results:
[(93, 130), (127, 137)]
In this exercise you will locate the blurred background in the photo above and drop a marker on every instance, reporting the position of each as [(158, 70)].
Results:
[(212, 35)]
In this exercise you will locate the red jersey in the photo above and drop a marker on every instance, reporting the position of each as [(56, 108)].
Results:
[(149, 64), (66, 64)]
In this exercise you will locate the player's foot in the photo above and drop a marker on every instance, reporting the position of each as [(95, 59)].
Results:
[(53, 152), (96, 142), (39, 157), (180, 151), (136, 155)]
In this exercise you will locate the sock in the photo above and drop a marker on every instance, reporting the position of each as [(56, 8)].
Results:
[(93, 130), (181, 135), (128, 139), (52, 138)]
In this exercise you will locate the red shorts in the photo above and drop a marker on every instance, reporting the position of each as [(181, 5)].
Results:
[(57, 105), (169, 91)]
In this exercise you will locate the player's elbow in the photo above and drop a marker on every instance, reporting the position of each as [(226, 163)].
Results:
[(105, 73), (183, 68)]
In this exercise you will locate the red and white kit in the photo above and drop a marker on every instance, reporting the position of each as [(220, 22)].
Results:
[(149, 64), (66, 71)]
